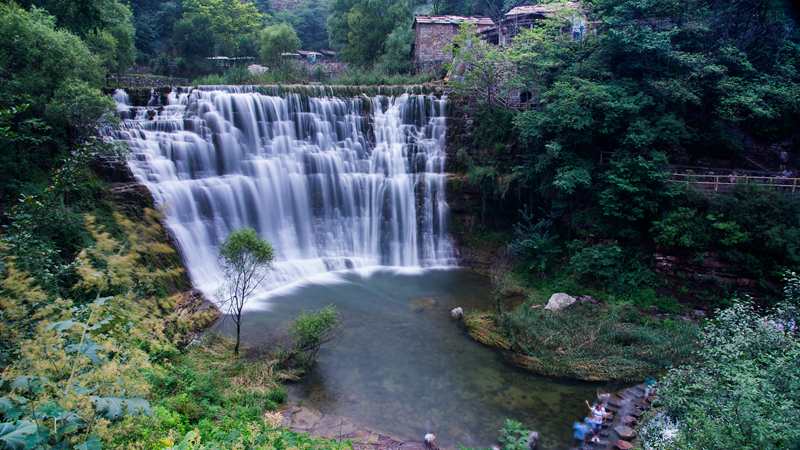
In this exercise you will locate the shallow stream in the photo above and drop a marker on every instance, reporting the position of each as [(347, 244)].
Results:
[(403, 366)]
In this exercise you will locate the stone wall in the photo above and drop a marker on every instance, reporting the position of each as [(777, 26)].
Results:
[(430, 40)]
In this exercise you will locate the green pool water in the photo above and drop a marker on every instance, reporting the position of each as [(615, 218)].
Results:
[(404, 367)]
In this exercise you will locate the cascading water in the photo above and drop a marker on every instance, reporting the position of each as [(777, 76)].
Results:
[(332, 183)]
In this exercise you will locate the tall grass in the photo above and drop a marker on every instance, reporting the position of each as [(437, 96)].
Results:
[(287, 73), (299, 73), (356, 76), (581, 344)]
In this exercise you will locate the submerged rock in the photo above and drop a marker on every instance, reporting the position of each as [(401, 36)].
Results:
[(422, 303)]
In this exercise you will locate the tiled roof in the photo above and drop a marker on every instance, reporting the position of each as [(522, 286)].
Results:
[(541, 9), (477, 20)]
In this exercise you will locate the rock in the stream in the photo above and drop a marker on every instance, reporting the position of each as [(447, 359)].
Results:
[(422, 303), (623, 445), (628, 421), (626, 433)]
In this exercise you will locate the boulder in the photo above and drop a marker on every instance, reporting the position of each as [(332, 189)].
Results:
[(626, 433), (559, 301), (257, 69), (623, 445)]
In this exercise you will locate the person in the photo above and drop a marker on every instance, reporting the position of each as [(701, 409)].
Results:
[(533, 440), (598, 414), (784, 158), (602, 397), (581, 428), (650, 389), (429, 438), (734, 176)]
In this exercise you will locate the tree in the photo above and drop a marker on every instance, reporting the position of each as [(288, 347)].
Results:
[(308, 20), (359, 28), (501, 277), (196, 41), (277, 39), (308, 333), (480, 69), (246, 259), (229, 20), (80, 109), (397, 47)]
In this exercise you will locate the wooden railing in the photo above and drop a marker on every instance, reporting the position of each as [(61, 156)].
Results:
[(718, 183)]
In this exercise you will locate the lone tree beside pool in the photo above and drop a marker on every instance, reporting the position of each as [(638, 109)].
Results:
[(246, 260)]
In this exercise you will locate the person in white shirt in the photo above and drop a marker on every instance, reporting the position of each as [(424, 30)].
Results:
[(598, 414)]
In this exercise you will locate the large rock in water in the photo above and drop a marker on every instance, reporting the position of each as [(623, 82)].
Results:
[(622, 445), (626, 433), (559, 301)]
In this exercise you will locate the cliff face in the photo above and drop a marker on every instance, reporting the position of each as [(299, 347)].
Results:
[(477, 206)]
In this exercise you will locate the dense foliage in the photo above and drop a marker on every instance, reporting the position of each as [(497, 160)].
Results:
[(743, 391), (603, 116)]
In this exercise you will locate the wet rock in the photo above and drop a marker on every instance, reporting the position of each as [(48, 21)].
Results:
[(628, 421), (353, 398), (457, 313), (634, 393), (422, 303), (699, 314), (626, 433), (413, 445), (559, 301), (636, 413), (623, 445), (613, 402)]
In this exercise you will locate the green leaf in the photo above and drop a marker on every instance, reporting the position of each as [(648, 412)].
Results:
[(10, 409), (113, 408), (49, 410), (89, 350), (186, 442), (102, 301), (33, 384), (92, 443), (63, 325), (17, 434), (81, 390)]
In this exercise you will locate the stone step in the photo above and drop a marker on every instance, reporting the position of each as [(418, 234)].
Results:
[(623, 445), (626, 433)]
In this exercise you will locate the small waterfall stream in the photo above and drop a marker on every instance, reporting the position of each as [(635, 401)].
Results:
[(331, 183)]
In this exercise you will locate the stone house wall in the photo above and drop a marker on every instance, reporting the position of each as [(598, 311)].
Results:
[(430, 40)]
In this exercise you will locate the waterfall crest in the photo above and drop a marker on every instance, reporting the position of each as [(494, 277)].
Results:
[(332, 183)]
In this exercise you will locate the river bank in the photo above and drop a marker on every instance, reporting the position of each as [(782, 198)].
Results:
[(619, 431)]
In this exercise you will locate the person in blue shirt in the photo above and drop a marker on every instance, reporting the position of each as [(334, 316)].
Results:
[(581, 428)]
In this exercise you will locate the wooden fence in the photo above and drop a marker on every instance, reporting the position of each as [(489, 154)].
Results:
[(726, 183)]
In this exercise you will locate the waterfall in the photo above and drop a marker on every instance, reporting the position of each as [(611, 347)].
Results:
[(331, 183)]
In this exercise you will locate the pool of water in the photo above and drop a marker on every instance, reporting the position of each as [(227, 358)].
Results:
[(403, 366)]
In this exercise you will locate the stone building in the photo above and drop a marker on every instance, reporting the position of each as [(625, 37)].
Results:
[(527, 16), (433, 33)]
